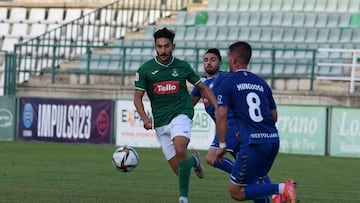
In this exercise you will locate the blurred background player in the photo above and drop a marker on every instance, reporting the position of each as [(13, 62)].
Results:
[(250, 98), (214, 77), (164, 80)]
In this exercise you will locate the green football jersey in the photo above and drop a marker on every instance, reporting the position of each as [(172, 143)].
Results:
[(166, 88)]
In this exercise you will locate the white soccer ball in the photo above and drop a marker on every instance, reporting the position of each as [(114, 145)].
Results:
[(125, 158)]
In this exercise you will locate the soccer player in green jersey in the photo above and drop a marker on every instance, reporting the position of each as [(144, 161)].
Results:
[(164, 80)]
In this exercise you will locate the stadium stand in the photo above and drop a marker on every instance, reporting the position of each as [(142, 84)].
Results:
[(290, 30)]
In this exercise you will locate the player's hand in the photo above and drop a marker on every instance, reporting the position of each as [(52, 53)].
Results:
[(148, 124), (220, 154)]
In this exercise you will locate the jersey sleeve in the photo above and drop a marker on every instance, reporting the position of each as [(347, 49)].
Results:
[(193, 78), (140, 79)]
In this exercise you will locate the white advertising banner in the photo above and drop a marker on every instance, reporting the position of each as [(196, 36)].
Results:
[(130, 131)]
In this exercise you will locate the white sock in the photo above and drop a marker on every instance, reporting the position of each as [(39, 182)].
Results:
[(183, 200), (281, 188)]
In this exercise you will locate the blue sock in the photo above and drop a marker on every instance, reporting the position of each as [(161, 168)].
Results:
[(263, 200), (256, 191), (226, 165), (265, 179)]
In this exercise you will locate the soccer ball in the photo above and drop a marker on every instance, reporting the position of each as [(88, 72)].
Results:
[(125, 158)]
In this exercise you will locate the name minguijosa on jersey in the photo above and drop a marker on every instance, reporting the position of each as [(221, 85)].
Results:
[(166, 87)]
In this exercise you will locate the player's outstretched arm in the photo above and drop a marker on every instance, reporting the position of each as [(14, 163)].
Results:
[(208, 94), (138, 102)]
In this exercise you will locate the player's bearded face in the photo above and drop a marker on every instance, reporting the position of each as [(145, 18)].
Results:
[(211, 64), (164, 48)]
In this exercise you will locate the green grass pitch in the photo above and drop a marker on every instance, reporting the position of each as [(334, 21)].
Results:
[(53, 172)]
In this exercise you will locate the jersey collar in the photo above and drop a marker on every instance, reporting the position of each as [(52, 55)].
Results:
[(167, 65)]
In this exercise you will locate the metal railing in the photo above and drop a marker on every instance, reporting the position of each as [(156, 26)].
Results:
[(353, 64), (124, 60)]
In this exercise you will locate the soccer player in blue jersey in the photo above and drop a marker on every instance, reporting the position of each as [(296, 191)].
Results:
[(214, 77), (250, 98)]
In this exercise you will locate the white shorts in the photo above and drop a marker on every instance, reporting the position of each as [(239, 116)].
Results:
[(179, 126)]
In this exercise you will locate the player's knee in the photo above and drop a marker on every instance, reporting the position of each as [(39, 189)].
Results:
[(237, 192), (209, 160), (210, 157)]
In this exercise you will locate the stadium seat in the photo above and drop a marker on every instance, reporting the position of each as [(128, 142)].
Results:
[(181, 17), (344, 20), (89, 32), (201, 32), (323, 35), (244, 33), (233, 5), (190, 18), (232, 19), (289, 34), (72, 14), (355, 20), (345, 36), (71, 31), (222, 18), (254, 19), (36, 30), (8, 44), (3, 14), (243, 5), (244, 18), (277, 34), (342, 6), (120, 32), (55, 15), (5, 30), (153, 16), (264, 6), (212, 5), (255, 5), (222, 33), (287, 19), (291, 5), (19, 30), (311, 35), (355, 39), (298, 19), (123, 17), (201, 18), (276, 5), (300, 34), (17, 15), (212, 33), (332, 20), (322, 20), (190, 33), (320, 5), (223, 5), (266, 33), (297, 5), (37, 15), (139, 17), (309, 5), (331, 6), (105, 32), (266, 19), (354, 6), (334, 36), (310, 19), (234, 34), (54, 31)]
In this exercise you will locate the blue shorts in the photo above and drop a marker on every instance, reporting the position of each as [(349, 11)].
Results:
[(252, 162), (232, 141)]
